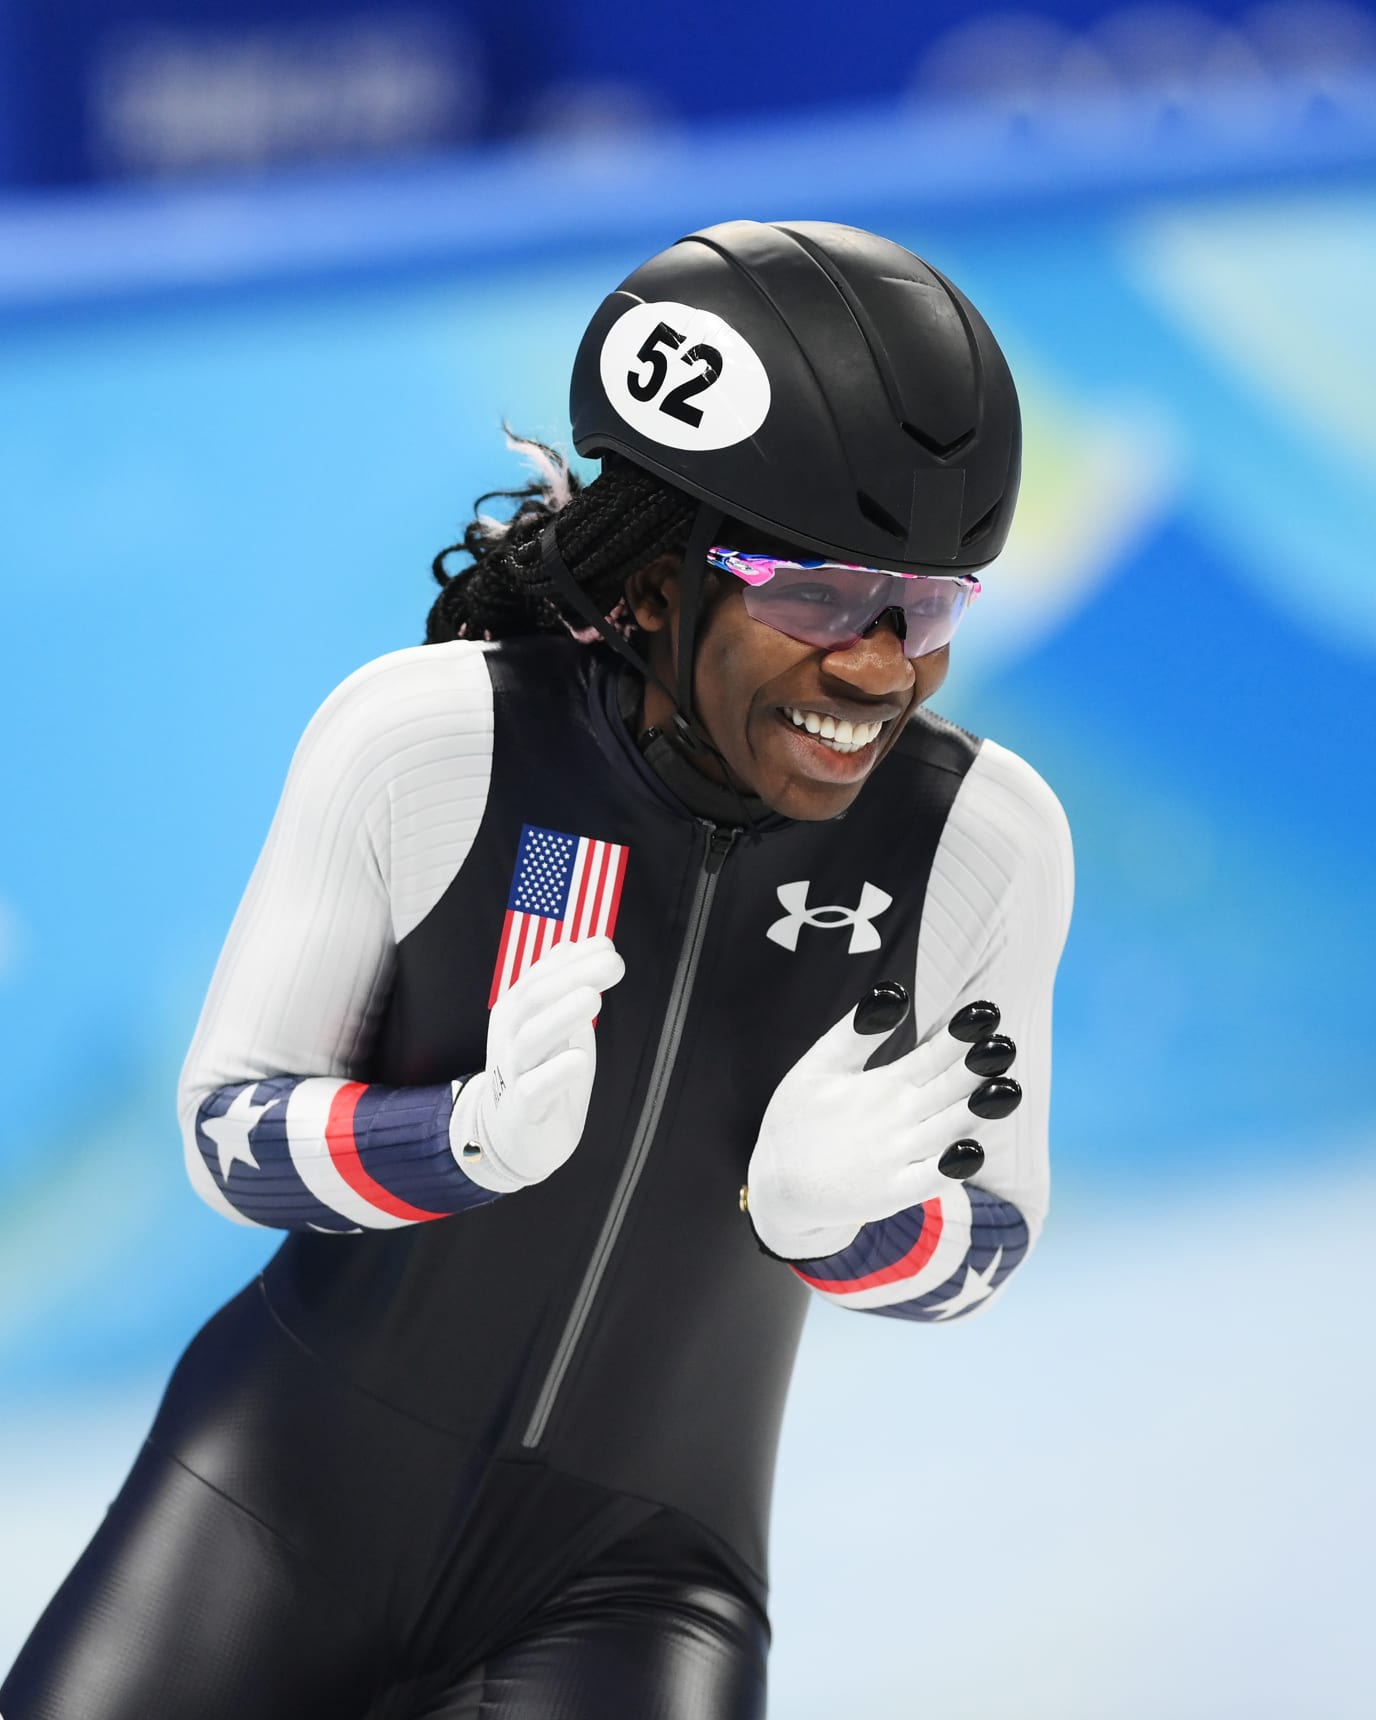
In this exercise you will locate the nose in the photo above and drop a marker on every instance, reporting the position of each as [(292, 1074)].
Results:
[(875, 664), (896, 619)]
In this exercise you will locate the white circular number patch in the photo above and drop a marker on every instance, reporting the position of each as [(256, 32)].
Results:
[(683, 377)]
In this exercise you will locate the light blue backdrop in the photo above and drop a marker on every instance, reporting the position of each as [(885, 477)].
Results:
[(217, 503)]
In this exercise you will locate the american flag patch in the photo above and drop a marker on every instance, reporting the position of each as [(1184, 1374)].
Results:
[(565, 888)]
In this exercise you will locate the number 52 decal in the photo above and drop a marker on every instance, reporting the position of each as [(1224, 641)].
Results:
[(683, 376), (675, 403)]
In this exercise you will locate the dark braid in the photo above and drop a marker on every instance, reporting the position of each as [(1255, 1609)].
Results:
[(622, 520)]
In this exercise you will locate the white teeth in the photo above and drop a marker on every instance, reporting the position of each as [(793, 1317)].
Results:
[(843, 736)]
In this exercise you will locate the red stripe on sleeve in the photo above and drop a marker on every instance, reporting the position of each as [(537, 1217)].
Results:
[(908, 1267), (339, 1138)]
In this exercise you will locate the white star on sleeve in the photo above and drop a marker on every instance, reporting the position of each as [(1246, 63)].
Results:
[(974, 1289), (230, 1133)]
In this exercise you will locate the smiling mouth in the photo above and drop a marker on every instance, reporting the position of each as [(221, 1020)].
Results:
[(840, 735)]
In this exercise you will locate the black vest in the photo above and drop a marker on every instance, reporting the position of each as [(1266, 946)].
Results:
[(623, 1326)]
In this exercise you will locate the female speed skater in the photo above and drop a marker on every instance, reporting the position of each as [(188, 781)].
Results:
[(630, 962)]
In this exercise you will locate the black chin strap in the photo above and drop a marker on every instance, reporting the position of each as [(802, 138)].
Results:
[(689, 733), (706, 524)]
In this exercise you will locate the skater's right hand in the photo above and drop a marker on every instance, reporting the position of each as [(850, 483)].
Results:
[(522, 1116)]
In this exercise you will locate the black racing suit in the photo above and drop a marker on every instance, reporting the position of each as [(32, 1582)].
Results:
[(519, 1461)]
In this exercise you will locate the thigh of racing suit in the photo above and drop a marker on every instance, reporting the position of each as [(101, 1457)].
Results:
[(657, 1627), (281, 1551), (185, 1607), (237, 1570)]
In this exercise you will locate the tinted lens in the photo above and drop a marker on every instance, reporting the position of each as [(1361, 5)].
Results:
[(833, 606)]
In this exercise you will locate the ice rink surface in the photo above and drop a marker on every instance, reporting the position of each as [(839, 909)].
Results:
[(1139, 1488)]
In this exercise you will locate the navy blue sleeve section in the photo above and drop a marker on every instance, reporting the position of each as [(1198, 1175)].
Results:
[(252, 1162), (402, 1134), (348, 1158), (884, 1251), (999, 1242)]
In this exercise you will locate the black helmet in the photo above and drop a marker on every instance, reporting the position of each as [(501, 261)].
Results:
[(815, 381)]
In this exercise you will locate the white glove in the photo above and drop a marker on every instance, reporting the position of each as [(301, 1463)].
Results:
[(523, 1115), (841, 1145)]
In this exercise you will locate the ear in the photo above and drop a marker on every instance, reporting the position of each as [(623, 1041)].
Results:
[(652, 593)]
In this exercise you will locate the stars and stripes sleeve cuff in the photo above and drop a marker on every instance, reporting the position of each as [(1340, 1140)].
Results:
[(318, 1153), (932, 1262)]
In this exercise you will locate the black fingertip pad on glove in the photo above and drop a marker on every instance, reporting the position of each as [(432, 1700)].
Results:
[(961, 1160), (997, 1098), (991, 1056), (976, 1021), (881, 1009)]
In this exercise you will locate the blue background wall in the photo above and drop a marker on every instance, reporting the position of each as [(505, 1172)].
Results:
[(235, 423), (169, 89)]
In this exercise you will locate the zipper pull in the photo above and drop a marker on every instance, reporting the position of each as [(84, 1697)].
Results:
[(719, 845)]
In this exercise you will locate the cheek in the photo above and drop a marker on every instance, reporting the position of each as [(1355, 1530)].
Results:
[(729, 670), (931, 672)]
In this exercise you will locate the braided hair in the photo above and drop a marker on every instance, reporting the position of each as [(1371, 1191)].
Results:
[(607, 529)]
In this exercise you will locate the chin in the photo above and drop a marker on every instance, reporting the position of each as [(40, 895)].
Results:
[(812, 803)]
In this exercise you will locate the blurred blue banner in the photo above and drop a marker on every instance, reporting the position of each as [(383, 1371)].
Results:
[(162, 88), (166, 89)]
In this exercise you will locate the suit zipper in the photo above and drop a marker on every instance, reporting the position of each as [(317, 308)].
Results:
[(718, 846)]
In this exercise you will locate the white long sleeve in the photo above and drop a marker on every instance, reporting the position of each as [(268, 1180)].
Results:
[(993, 926), (381, 805)]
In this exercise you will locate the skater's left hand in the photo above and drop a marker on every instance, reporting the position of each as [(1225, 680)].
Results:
[(841, 1145)]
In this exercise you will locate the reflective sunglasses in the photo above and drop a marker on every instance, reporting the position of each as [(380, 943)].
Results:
[(832, 604)]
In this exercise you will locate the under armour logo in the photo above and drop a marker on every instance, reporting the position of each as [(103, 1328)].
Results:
[(863, 936)]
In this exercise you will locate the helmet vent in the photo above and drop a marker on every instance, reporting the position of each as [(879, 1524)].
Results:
[(981, 526), (941, 450), (880, 517)]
